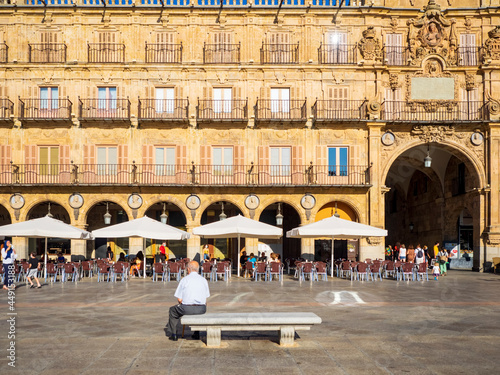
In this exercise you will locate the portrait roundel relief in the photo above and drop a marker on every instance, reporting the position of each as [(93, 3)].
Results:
[(134, 201), (252, 202), (193, 202), (75, 201), (16, 201)]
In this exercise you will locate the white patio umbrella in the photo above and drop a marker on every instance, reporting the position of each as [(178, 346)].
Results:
[(144, 227), (45, 227), (237, 227), (336, 227)]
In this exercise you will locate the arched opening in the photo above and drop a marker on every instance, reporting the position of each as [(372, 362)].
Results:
[(221, 248), (96, 220), (54, 245), (287, 248), (4, 216), (342, 249), (424, 203), (171, 215)]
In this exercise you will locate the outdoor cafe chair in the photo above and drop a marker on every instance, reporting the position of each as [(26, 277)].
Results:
[(308, 270), (18, 272), (422, 271), (207, 270), (399, 270), (408, 270), (87, 268), (390, 269), (70, 270), (298, 268), (346, 269), (375, 270), (158, 270), (275, 269), (25, 266), (321, 269), (248, 269), (51, 271), (119, 268), (362, 271), (260, 270), (221, 269), (103, 271), (174, 270)]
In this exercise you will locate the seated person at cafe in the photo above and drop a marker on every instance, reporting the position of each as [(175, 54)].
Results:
[(252, 259), (61, 258), (122, 257), (135, 268)]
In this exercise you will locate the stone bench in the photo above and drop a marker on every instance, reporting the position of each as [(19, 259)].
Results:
[(284, 322)]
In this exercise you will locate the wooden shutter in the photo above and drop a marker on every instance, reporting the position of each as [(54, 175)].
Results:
[(354, 158), (320, 170), (297, 165), (165, 38), (89, 155), (30, 154), (263, 166), (207, 93), (239, 164), (107, 37), (148, 158), (123, 155), (64, 155), (5, 155), (47, 37), (181, 162)]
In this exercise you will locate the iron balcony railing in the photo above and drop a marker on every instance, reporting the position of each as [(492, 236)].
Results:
[(222, 109), (339, 110), (163, 109), (469, 56), (180, 175), (106, 53), (112, 109), (4, 52), (396, 55), (54, 109), (6, 109), (47, 53), (338, 54), (401, 111), (276, 109), (164, 53), (221, 53), (279, 53)]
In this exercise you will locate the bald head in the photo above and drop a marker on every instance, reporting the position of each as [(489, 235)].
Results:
[(193, 266)]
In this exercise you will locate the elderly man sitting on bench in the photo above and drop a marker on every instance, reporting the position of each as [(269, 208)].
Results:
[(192, 293)]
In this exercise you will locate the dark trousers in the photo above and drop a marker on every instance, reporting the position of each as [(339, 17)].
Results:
[(176, 312), (9, 277)]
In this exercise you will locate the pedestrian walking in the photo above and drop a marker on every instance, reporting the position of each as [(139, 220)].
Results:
[(33, 270)]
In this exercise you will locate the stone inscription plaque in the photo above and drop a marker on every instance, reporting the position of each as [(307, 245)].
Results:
[(432, 88)]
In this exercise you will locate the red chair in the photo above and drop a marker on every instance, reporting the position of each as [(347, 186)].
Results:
[(221, 269), (87, 267), (158, 269), (248, 269), (408, 269), (51, 270), (103, 271), (307, 269), (422, 271), (69, 269), (260, 270), (275, 269), (321, 270), (174, 269), (362, 271), (375, 270), (206, 269)]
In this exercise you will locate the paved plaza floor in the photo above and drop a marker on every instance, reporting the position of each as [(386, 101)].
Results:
[(450, 326)]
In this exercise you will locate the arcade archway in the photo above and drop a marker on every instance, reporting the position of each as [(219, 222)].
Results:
[(436, 203)]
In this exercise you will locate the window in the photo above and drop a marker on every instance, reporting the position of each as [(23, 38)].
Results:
[(338, 52), (49, 160), (165, 161), (280, 101), (222, 100), (165, 100), (337, 161), (107, 160), (106, 98), (393, 106), (49, 97), (223, 160), (281, 161), (394, 49), (467, 50)]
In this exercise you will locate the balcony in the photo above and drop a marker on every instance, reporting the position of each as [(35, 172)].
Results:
[(104, 109), (6, 110), (219, 110), (175, 110), (396, 55), (400, 111), (106, 53), (163, 53), (337, 54), (52, 110), (469, 56), (4, 53), (280, 110), (184, 175), (279, 53), (47, 53), (221, 53), (339, 110)]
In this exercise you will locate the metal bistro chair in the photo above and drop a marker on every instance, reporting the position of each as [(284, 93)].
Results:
[(248, 269), (25, 266), (390, 269), (51, 270), (120, 269), (207, 270), (70, 270), (408, 269), (174, 270), (88, 268), (103, 271), (307, 270), (221, 269), (375, 271), (399, 271), (362, 271), (346, 269), (422, 271), (321, 270), (158, 269), (275, 269), (260, 270)]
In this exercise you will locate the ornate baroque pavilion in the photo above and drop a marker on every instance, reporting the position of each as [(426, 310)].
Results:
[(191, 110)]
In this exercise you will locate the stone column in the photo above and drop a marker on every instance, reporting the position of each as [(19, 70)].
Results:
[(491, 202), (193, 244), (307, 248), (79, 247), (21, 244)]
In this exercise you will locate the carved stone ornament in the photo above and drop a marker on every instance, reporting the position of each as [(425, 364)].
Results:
[(374, 240), (394, 81), (493, 105), (369, 45), (492, 46), (470, 82), (432, 34), (432, 133), (373, 108), (493, 239), (394, 24)]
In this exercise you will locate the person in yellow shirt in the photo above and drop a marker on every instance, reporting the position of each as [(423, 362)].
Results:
[(435, 250)]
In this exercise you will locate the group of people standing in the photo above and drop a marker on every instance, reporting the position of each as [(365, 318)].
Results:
[(435, 256)]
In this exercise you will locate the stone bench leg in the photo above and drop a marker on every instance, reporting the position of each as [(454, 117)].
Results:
[(213, 336), (287, 336)]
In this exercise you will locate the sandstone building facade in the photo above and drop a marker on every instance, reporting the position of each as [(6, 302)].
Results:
[(297, 108)]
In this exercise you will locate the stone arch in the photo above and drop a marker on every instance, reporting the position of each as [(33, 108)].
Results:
[(205, 203), (288, 200), (452, 147), (5, 215), (38, 201), (345, 200), (91, 203), (175, 201)]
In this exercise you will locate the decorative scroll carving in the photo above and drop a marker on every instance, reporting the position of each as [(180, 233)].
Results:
[(394, 24), (369, 45), (469, 82), (492, 46), (374, 240), (394, 81), (432, 133), (493, 105), (432, 34)]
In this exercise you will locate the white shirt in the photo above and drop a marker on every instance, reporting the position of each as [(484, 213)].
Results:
[(193, 290), (9, 260)]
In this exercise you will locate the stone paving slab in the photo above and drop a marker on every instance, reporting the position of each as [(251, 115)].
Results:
[(386, 327)]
